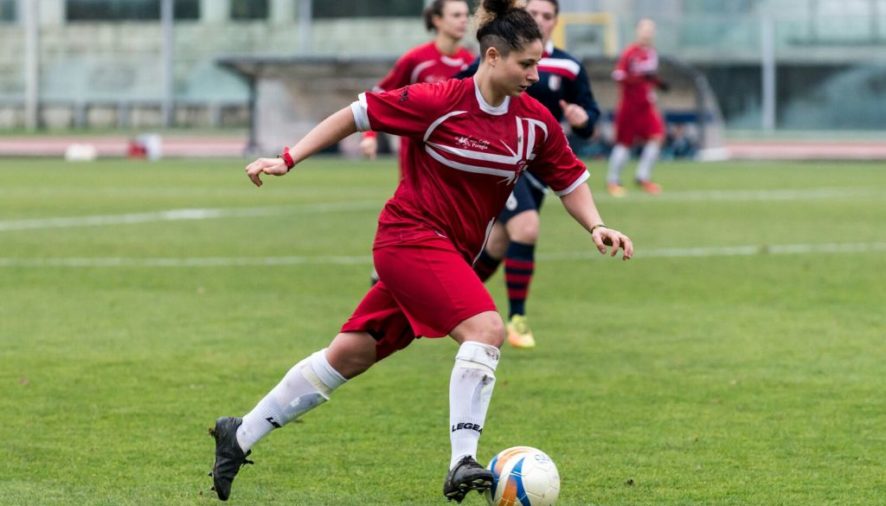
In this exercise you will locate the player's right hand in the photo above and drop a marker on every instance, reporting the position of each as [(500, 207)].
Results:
[(369, 147), (604, 237), (272, 166)]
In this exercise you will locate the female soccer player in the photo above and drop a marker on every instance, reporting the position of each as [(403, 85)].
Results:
[(471, 140), (435, 61), (563, 88), (637, 118)]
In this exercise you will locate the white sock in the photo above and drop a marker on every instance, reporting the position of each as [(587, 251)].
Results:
[(306, 386), (617, 160), (470, 390), (647, 160)]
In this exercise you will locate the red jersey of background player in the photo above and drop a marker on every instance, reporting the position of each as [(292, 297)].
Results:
[(635, 71), (425, 64), (463, 159)]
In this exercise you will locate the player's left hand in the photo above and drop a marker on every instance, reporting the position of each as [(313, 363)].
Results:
[(604, 237), (272, 166), (575, 114)]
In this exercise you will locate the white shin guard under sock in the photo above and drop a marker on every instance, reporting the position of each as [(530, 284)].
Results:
[(307, 385), (647, 161), (470, 390), (617, 161)]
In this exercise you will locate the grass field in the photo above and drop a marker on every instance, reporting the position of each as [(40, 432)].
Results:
[(740, 358)]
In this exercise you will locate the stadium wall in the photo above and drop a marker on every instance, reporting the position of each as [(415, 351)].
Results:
[(830, 59)]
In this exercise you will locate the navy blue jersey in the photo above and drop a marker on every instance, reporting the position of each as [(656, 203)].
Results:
[(560, 77)]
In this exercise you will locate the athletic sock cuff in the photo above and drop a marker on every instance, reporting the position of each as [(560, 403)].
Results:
[(521, 251), (488, 260), (325, 372), (481, 354)]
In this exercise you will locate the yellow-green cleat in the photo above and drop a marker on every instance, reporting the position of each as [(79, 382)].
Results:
[(519, 334)]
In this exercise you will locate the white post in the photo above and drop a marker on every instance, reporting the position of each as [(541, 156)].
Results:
[(167, 22), (305, 24), (31, 20), (214, 11), (767, 50), (281, 12)]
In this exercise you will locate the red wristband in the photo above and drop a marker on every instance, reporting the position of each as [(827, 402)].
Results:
[(287, 158), (369, 134)]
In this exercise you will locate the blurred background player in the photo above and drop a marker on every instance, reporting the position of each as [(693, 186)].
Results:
[(564, 89), (435, 61), (636, 117)]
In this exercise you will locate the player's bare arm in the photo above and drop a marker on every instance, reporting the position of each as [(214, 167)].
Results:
[(331, 130), (580, 205)]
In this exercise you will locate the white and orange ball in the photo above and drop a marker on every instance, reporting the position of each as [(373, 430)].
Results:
[(523, 476)]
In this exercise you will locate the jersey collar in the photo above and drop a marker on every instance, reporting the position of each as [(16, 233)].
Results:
[(500, 110), (549, 49)]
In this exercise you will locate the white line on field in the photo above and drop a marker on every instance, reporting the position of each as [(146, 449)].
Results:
[(768, 195), (723, 251), (206, 214), (180, 215)]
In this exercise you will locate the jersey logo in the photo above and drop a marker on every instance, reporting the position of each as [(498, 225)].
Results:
[(467, 142), (483, 162)]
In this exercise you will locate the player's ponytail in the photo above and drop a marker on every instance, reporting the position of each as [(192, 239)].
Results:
[(505, 25)]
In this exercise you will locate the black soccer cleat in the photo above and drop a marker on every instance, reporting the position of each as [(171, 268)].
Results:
[(229, 457), (467, 475)]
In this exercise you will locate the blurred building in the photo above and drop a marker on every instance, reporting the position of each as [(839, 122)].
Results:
[(792, 64)]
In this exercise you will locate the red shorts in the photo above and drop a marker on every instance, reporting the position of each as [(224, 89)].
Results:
[(426, 289), (637, 124)]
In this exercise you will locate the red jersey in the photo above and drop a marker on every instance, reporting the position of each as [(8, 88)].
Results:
[(632, 71), (463, 160), (425, 64)]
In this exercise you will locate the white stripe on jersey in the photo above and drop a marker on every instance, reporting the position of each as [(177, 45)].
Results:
[(560, 63), (508, 175), (417, 70), (532, 123), (452, 62), (479, 155), (437, 122), (485, 240)]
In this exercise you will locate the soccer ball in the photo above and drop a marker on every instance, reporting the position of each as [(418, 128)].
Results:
[(523, 476)]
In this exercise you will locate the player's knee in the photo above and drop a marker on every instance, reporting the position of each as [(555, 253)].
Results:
[(524, 227), (351, 354), (496, 332), (487, 328), (497, 243)]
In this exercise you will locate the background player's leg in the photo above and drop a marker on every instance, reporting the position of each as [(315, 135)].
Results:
[(647, 161), (496, 246), (523, 230), (617, 160)]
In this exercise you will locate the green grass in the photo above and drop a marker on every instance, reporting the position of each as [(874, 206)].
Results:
[(670, 379)]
